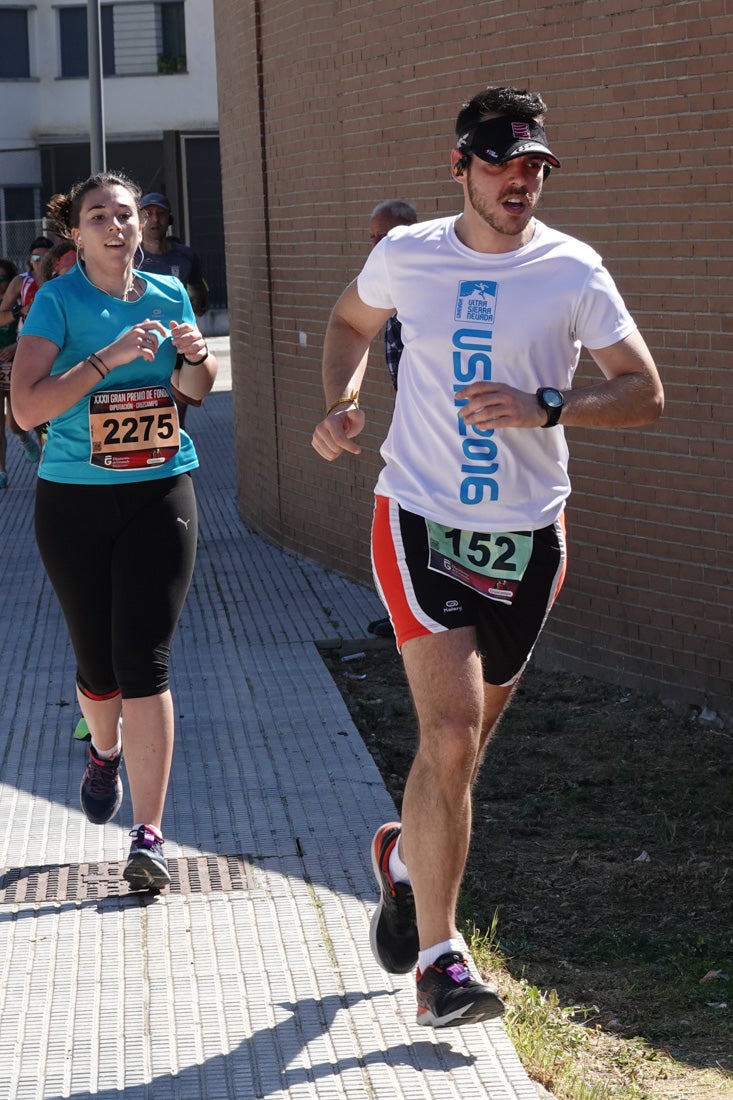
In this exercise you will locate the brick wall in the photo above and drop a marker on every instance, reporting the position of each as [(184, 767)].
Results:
[(326, 108)]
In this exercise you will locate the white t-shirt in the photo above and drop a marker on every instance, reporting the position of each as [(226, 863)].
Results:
[(518, 318)]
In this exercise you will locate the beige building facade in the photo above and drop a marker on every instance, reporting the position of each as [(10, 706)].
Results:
[(325, 108)]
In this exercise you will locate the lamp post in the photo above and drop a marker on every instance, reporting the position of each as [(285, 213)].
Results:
[(97, 153)]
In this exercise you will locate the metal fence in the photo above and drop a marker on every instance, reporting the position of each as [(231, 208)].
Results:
[(15, 240)]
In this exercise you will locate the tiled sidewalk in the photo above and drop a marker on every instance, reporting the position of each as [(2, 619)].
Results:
[(251, 977)]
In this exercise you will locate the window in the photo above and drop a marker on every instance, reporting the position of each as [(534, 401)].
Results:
[(74, 41), (20, 203), (137, 39), (172, 57), (14, 56)]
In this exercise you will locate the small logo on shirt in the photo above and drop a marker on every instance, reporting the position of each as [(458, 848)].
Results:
[(476, 301), (451, 605)]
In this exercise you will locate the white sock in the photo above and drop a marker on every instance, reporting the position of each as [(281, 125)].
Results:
[(427, 957), (397, 869), (107, 754)]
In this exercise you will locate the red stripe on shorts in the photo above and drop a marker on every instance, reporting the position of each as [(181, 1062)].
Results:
[(388, 574), (97, 698)]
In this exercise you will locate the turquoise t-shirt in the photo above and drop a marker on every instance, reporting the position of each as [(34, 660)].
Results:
[(126, 428)]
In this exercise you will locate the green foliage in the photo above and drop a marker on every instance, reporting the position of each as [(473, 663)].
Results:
[(558, 1044), (603, 837), (170, 65)]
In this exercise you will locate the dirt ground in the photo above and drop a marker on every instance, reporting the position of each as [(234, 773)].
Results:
[(603, 837)]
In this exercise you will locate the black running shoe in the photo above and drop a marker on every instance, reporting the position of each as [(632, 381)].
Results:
[(101, 789), (448, 996), (146, 868), (393, 931), (382, 628)]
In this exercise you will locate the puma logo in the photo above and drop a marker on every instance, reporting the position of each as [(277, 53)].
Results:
[(185, 522)]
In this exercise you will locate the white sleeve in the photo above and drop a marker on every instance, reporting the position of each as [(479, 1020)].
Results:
[(373, 282), (601, 317)]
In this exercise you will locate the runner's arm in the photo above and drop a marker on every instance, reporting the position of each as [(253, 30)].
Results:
[(630, 396), (36, 395), (351, 328), (10, 297), (195, 375)]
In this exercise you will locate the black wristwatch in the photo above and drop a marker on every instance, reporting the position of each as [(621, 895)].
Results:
[(552, 401)]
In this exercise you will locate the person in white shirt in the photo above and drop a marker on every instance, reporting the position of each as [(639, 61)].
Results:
[(468, 540)]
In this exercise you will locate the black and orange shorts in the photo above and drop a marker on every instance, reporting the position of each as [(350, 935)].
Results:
[(421, 601)]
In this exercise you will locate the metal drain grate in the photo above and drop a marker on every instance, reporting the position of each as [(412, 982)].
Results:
[(89, 881)]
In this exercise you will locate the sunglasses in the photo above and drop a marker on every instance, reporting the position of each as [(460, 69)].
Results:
[(4, 278)]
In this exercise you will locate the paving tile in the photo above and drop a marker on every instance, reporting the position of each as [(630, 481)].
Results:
[(266, 988)]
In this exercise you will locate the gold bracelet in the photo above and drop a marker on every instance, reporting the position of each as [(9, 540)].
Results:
[(352, 399)]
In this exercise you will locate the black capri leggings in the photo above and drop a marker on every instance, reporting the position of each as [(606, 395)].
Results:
[(120, 559)]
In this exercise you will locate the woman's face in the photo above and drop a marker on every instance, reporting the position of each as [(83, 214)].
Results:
[(35, 261), (109, 226)]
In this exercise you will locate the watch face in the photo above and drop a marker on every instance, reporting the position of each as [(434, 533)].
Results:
[(552, 398)]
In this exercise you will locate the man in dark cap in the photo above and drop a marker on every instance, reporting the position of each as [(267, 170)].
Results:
[(164, 255), (468, 539)]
